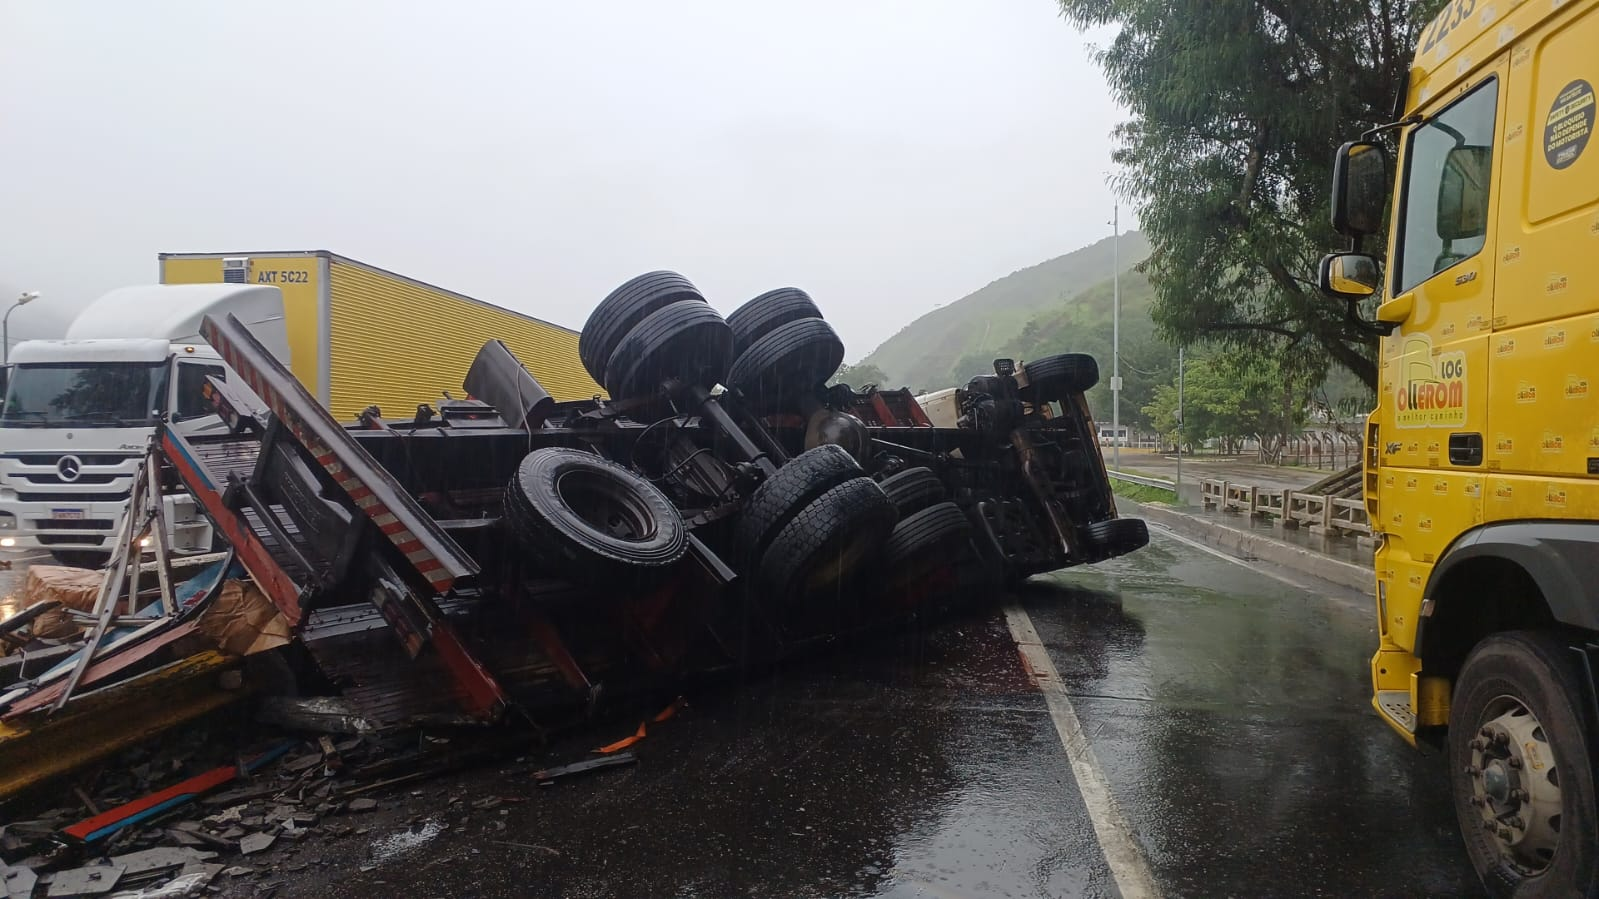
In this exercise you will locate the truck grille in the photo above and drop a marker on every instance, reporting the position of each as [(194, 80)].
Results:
[(32, 496), (88, 458), (85, 478)]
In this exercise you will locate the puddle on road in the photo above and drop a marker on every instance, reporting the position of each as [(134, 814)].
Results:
[(407, 841)]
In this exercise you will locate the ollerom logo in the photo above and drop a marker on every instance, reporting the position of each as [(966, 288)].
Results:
[(1433, 391)]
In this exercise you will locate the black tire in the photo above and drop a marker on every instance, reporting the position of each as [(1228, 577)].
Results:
[(591, 520), (788, 361), (767, 312), (822, 549), (1116, 537), (785, 494), (933, 536), (1058, 377), (622, 310), (1535, 672), (687, 340), (913, 490)]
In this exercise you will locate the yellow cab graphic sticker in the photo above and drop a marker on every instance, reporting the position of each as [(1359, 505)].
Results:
[(1432, 388)]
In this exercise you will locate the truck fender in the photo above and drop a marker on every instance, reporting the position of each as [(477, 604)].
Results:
[(1561, 557)]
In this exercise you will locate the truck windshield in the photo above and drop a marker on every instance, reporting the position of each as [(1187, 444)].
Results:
[(100, 395)]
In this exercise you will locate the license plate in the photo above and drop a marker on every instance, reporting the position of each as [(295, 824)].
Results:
[(67, 514)]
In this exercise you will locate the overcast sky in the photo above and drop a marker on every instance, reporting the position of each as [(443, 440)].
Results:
[(885, 156)]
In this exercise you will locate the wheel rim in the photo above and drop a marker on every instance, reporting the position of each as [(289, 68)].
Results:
[(606, 505), (1515, 782)]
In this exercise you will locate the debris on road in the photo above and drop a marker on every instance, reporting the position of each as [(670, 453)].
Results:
[(546, 776)]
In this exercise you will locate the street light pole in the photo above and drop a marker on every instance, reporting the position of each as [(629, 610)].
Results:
[(1116, 338), (1180, 424), (5, 323)]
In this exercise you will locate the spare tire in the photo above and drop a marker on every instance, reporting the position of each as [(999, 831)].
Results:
[(785, 494), (828, 542), (622, 310), (772, 309), (913, 490), (687, 340), (1058, 377), (591, 520), (788, 361)]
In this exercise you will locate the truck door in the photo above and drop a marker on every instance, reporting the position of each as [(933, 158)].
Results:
[(190, 411), (1433, 432)]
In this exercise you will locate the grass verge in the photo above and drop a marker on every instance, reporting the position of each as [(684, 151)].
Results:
[(1140, 493)]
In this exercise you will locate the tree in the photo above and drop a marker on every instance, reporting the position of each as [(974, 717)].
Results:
[(1237, 107), (1233, 397), (859, 375)]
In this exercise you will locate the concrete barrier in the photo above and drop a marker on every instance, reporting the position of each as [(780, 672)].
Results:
[(1252, 544)]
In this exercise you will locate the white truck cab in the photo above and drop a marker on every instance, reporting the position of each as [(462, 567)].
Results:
[(78, 413)]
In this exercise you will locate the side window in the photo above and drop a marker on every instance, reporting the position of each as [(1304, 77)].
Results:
[(191, 388), (1447, 166)]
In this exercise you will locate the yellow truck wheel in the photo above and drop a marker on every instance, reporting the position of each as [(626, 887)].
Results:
[(1523, 769)]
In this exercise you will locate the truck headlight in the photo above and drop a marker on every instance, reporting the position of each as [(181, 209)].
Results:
[(8, 522)]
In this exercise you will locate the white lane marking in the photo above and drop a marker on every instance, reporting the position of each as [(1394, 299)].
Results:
[(1265, 569), (1127, 865)]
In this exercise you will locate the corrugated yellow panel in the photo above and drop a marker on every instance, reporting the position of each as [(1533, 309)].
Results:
[(295, 275), (396, 344)]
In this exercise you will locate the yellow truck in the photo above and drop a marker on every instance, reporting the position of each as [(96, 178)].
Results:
[(360, 335), (1482, 456)]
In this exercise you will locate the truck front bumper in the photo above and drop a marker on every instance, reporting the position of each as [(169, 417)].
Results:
[(28, 527)]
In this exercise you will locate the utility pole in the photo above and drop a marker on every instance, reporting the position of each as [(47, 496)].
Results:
[(5, 323), (1179, 424), (1116, 338)]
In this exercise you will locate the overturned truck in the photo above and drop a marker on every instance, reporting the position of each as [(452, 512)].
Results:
[(722, 510)]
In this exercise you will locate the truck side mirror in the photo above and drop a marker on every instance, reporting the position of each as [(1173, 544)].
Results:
[(1349, 276), (1360, 188)]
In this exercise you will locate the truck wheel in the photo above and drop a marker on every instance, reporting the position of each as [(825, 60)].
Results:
[(591, 520), (1116, 537), (772, 309), (828, 542), (785, 494), (789, 360), (622, 310), (923, 540), (1058, 377), (913, 490), (687, 341), (1521, 768)]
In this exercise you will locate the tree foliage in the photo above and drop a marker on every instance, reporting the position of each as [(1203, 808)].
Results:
[(1237, 107), (859, 376)]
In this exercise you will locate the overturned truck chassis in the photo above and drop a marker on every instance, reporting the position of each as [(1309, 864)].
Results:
[(511, 552)]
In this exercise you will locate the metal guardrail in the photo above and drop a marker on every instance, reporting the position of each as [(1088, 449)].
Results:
[(1328, 514), (1140, 479)]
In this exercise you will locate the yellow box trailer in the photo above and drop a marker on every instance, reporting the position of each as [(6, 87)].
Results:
[(360, 335)]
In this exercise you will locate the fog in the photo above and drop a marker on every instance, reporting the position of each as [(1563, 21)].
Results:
[(885, 156)]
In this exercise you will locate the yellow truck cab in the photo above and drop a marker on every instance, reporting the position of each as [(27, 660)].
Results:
[(1482, 456)]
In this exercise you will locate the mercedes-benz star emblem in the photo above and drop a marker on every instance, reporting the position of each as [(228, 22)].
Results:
[(69, 468)]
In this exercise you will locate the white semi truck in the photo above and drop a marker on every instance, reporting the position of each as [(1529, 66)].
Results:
[(79, 412)]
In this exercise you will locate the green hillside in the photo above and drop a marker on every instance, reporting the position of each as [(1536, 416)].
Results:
[(926, 353)]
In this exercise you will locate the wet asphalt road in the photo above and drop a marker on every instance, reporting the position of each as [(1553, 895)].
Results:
[(1228, 712)]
